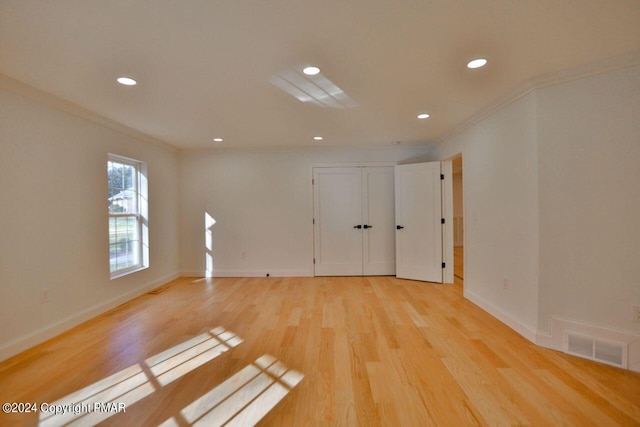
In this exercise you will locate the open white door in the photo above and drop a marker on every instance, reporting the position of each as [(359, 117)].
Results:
[(446, 169), (419, 222), (338, 221)]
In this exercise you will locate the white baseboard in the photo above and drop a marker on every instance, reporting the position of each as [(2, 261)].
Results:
[(633, 357), (248, 273), (502, 316), (23, 343), (560, 326)]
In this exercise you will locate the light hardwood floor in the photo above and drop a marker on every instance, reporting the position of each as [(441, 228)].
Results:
[(350, 351)]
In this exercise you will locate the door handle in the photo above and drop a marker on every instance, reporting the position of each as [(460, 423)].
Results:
[(357, 226), (367, 226), (399, 227)]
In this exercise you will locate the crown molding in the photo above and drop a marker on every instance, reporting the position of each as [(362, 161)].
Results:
[(23, 89), (599, 67)]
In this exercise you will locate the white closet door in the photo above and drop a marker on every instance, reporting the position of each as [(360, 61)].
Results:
[(418, 219), (337, 213), (378, 217)]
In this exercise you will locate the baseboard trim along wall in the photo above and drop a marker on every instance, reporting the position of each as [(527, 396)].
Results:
[(502, 316), (562, 329), (21, 344), (248, 273)]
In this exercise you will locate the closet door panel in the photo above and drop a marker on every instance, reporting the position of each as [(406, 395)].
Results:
[(378, 211), (337, 214)]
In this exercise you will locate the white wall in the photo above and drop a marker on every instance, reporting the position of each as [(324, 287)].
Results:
[(589, 160), (551, 199), (501, 212), (53, 210), (262, 202)]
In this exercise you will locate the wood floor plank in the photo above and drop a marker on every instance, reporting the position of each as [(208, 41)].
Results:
[(542, 411), (370, 351)]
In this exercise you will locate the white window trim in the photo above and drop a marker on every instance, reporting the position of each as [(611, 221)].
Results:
[(141, 215)]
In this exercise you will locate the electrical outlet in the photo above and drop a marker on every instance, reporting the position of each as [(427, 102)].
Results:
[(44, 296), (505, 283), (636, 313)]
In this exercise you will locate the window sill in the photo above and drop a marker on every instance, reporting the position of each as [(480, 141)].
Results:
[(122, 273)]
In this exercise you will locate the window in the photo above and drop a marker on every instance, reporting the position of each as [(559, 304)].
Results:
[(127, 200)]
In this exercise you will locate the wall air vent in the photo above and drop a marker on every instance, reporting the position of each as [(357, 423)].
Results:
[(609, 352)]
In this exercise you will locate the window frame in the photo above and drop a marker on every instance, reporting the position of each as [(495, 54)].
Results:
[(141, 250)]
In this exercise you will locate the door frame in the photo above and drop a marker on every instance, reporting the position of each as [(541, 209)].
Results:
[(311, 203), (461, 154)]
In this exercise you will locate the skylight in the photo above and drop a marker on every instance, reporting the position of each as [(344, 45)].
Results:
[(314, 89)]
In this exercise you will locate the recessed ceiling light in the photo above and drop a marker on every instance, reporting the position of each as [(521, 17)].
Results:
[(423, 116), (318, 138), (217, 139), (477, 63), (127, 81), (311, 71)]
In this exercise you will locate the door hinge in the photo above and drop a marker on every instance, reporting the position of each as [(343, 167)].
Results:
[(314, 260), (441, 220), (441, 176), (314, 220), (444, 265), (313, 181)]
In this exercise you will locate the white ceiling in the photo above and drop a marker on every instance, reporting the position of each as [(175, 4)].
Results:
[(204, 67)]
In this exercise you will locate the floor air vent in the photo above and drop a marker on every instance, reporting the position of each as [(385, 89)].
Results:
[(609, 352)]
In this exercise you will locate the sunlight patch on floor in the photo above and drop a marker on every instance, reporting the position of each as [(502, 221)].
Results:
[(139, 381), (244, 399)]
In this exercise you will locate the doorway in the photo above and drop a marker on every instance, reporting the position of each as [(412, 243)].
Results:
[(458, 220)]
